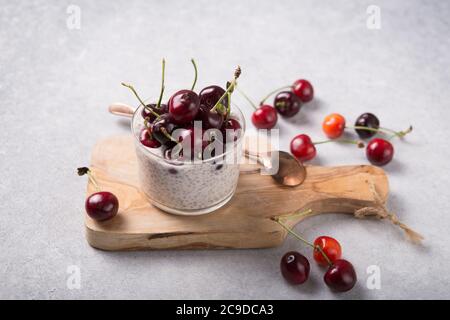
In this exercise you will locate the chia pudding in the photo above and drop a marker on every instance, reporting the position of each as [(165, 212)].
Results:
[(188, 187)]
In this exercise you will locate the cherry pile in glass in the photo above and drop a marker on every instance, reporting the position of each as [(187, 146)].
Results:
[(211, 107)]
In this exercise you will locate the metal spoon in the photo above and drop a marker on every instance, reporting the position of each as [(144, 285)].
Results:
[(290, 172)]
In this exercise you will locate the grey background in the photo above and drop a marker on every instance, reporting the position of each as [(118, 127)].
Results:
[(56, 83)]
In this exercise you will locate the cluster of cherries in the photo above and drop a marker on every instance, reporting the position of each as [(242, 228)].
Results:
[(287, 103), (211, 106), (378, 151), (340, 275)]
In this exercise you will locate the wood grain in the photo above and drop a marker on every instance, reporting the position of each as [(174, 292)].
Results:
[(243, 223)]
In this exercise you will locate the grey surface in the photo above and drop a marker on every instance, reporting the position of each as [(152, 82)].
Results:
[(55, 84)]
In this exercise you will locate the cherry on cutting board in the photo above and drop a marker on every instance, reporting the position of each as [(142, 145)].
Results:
[(303, 89), (287, 104), (294, 267), (101, 205), (330, 247), (340, 276), (379, 151)]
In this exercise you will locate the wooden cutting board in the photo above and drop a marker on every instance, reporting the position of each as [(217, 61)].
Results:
[(242, 223)]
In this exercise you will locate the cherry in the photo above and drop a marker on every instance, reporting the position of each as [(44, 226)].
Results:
[(162, 129), (333, 125), (294, 267), (287, 104), (210, 119), (303, 148), (303, 89), (210, 95), (330, 247), (340, 276), (146, 138), (367, 120), (379, 152), (230, 130), (265, 117), (150, 115), (183, 106), (102, 205)]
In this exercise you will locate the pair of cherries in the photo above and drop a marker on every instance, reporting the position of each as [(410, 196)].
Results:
[(286, 103), (378, 151), (295, 267), (211, 107)]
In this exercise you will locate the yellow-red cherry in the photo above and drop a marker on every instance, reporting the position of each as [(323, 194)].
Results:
[(333, 125), (330, 247)]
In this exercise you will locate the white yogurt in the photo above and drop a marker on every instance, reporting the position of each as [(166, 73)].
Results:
[(188, 188)]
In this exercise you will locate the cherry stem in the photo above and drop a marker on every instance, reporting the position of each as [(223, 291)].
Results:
[(85, 170), (140, 100), (399, 134), (230, 88), (296, 235), (247, 98), (168, 136), (273, 92), (195, 77), (162, 84), (359, 143), (229, 105)]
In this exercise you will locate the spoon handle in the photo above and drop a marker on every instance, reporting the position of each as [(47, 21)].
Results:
[(121, 109)]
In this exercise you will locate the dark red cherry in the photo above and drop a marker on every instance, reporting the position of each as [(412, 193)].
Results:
[(287, 104), (147, 139), (302, 147), (368, 120), (379, 152), (294, 267), (230, 130), (163, 127), (146, 113), (102, 205), (340, 276), (210, 119), (210, 95), (303, 89), (183, 106), (265, 117)]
